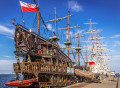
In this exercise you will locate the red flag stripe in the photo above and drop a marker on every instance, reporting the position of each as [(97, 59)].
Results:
[(29, 9), (91, 63)]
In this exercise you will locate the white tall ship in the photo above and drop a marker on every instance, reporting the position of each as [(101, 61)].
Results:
[(96, 52)]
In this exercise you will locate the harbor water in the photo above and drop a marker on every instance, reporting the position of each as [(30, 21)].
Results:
[(7, 78)]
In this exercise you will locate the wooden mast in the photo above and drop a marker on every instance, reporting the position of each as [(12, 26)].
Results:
[(100, 50), (97, 43), (55, 38), (79, 49), (91, 30), (78, 46), (38, 22), (68, 33), (38, 14), (68, 43), (55, 22)]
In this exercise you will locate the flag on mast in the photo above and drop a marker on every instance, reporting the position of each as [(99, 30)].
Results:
[(28, 7), (91, 62)]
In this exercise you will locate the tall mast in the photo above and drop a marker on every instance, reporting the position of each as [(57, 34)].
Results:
[(78, 49), (38, 13), (78, 46), (55, 38), (38, 22), (97, 43), (55, 22), (68, 33), (68, 43), (91, 30), (100, 50)]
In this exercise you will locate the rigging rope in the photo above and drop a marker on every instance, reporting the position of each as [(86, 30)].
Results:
[(35, 21)]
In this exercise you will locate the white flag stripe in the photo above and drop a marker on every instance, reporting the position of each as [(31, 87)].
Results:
[(27, 5)]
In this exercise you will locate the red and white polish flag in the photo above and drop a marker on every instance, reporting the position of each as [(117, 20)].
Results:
[(91, 62), (28, 7)]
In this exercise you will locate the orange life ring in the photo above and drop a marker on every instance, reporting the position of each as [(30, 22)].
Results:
[(39, 52)]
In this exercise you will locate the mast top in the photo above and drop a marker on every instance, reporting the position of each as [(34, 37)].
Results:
[(91, 24)]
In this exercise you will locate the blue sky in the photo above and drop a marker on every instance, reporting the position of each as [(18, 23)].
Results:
[(105, 12)]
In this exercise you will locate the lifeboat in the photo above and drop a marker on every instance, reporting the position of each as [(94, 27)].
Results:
[(21, 83)]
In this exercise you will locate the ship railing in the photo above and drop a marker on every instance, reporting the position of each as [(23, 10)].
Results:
[(43, 84), (38, 67)]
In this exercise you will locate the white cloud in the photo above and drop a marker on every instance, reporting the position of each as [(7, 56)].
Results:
[(70, 34), (114, 64), (5, 30), (49, 26), (9, 33), (117, 56), (116, 43), (79, 32), (112, 50), (73, 5), (115, 36), (8, 56), (6, 66), (99, 30), (10, 37), (61, 45)]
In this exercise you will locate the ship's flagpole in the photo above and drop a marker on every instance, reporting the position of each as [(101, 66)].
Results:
[(38, 22), (38, 13), (40, 16), (55, 22), (22, 17)]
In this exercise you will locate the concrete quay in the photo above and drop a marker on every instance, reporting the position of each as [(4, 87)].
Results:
[(106, 83)]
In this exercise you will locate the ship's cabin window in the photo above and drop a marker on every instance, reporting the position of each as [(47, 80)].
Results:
[(60, 63), (47, 60), (37, 60), (64, 63), (43, 47), (70, 64), (67, 64), (50, 48), (54, 62), (54, 50)]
